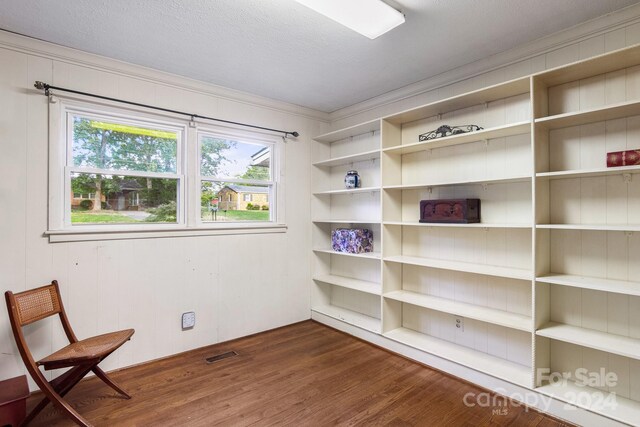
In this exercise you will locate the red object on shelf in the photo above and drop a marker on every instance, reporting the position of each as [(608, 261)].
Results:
[(463, 211), (13, 401), (623, 158)]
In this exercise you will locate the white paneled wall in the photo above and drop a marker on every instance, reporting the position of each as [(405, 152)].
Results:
[(502, 247), (498, 158), (505, 343), (236, 284)]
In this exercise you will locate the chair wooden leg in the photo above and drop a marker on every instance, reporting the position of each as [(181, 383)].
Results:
[(58, 401), (55, 391), (107, 380), (35, 411)]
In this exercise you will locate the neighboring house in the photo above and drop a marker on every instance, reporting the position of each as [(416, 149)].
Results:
[(127, 199), (261, 158), (77, 198), (237, 197)]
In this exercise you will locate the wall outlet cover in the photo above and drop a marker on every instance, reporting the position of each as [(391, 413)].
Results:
[(460, 324), (188, 320)]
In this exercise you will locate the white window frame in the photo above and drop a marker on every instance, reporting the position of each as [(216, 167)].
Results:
[(274, 169), (187, 173)]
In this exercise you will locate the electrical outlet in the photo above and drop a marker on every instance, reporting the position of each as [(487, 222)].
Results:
[(188, 320), (460, 324)]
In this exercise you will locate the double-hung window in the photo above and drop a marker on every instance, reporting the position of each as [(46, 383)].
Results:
[(118, 170), (132, 168), (237, 178)]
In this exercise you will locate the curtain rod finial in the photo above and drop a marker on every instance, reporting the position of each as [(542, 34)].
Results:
[(39, 85), (295, 134)]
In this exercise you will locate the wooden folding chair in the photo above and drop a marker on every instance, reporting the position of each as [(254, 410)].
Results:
[(81, 356)]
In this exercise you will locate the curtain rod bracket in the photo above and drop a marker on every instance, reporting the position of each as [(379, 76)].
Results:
[(46, 87)]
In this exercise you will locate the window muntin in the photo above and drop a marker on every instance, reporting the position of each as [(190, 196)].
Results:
[(132, 168), (236, 179)]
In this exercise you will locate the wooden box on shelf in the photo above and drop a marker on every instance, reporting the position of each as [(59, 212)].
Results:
[(463, 211), (623, 158)]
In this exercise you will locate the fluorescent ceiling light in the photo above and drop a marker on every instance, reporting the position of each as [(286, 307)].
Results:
[(371, 18)]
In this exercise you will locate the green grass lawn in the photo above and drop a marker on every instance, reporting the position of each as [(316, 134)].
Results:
[(111, 217), (238, 216), (100, 217)]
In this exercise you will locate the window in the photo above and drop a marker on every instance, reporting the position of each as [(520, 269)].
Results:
[(125, 170), (239, 172), (83, 196)]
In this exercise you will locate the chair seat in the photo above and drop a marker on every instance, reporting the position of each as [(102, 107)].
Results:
[(94, 348)]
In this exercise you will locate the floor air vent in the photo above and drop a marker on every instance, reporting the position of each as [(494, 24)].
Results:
[(221, 356)]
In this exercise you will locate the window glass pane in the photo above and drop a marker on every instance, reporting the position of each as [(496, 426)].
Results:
[(227, 158), (227, 202), (122, 199), (109, 145)]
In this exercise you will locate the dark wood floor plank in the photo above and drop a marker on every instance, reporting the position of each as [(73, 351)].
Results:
[(304, 375)]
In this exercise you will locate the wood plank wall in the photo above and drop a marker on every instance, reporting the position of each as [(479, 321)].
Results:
[(237, 284)]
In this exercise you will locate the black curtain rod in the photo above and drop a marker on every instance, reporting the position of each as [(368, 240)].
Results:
[(46, 87)]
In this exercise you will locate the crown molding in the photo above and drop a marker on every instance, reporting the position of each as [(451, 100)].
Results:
[(40, 48), (595, 27)]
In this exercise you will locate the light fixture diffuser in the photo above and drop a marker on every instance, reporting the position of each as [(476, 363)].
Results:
[(371, 18)]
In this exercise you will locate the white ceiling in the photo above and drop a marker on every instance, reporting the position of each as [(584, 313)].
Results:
[(285, 51)]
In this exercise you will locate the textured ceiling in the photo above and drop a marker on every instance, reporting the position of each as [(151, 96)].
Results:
[(285, 51)]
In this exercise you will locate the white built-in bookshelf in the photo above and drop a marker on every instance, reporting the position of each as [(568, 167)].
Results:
[(550, 277), (347, 287)]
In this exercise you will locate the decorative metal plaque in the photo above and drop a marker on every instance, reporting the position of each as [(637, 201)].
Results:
[(446, 130)]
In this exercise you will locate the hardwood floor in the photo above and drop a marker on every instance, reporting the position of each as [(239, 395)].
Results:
[(301, 375)]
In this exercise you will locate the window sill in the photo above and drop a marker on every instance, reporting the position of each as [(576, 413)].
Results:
[(94, 234)]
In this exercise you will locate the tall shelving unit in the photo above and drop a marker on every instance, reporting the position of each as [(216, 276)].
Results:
[(587, 221), (549, 281), (434, 274), (347, 287)]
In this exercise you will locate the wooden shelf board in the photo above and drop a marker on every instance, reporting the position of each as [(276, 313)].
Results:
[(598, 340), (348, 191), (369, 255), (476, 97), (586, 173), (455, 225), (590, 227), (349, 316), (484, 269), (605, 63), (452, 183), (483, 362), (471, 311), (490, 133), (345, 160), (347, 282), (610, 112), (626, 410), (593, 283), (356, 130), (346, 221)]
